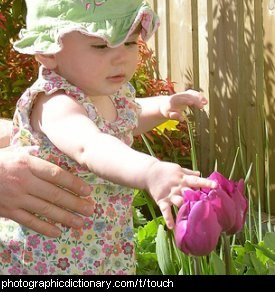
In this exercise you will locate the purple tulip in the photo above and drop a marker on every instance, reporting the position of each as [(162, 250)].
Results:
[(197, 229), (206, 213), (235, 193)]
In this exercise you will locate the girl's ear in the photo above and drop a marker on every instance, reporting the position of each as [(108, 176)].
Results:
[(48, 61)]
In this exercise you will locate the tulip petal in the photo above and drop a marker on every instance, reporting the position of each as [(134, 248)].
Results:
[(241, 206), (201, 232), (181, 223), (191, 195), (224, 207)]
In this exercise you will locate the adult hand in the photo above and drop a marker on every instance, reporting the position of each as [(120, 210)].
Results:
[(28, 186)]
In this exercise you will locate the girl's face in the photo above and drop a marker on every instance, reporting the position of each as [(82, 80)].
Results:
[(96, 69)]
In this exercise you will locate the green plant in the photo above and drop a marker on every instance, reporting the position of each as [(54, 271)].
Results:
[(249, 253)]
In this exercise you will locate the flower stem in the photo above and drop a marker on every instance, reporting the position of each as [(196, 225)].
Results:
[(227, 254), (197, 266)]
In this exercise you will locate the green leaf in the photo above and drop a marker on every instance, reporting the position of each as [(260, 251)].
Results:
[(149, 231), (258, 265), (271, 271), (261, 256), (266, 252), (19, 82), (164, 253), (17, 8), (147, 264), (269, 241), (251, 272), (138, 217), (139, 198), (218, 264)]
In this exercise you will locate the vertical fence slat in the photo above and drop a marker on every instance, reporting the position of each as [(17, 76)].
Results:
[(162, 43), (181, 44), (225, 92), (269, 64), (202, 117)]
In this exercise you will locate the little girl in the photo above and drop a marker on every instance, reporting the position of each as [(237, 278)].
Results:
[(82, 114)]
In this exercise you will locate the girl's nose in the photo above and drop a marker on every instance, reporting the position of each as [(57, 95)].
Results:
[(120, 55)]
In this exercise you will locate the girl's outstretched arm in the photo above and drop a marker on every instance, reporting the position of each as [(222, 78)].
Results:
[(66, 124)]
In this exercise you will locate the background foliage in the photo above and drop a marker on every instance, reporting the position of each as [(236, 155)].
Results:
[(17, 71)]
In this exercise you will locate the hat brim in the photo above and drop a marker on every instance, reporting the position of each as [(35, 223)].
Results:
[(48, 39)]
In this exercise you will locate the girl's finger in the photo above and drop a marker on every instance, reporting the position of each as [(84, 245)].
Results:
[(177, 200), (198, 182), (165, 209), (176, 116), (191, 172)]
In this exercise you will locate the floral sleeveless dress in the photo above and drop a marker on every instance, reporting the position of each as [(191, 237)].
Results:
[(105, 244)]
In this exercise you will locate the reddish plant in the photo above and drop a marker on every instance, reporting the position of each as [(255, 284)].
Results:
[(171, 145), (17, 71)]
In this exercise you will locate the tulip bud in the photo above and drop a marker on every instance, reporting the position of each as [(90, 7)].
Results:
[(206, 213), (197, 229)]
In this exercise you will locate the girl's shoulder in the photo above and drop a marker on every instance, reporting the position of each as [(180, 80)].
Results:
[(49, 83)]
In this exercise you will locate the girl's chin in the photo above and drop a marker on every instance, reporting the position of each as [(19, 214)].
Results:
[(112, 90)]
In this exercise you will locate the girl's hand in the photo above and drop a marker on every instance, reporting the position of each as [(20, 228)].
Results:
[(166, 180), (172, 107)]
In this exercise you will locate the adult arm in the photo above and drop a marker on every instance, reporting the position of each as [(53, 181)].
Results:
[(28, 185)]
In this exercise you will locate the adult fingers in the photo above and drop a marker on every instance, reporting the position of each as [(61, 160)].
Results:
[(59, 197), (51, 212), (34, 223), (198, 182), (56, 175)]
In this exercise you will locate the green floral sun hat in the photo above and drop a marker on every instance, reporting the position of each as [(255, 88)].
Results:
[(111, 20)]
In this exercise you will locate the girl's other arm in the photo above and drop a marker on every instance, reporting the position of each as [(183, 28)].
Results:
[(159, 109)]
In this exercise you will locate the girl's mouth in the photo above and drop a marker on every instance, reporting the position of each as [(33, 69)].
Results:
[(116, 78)]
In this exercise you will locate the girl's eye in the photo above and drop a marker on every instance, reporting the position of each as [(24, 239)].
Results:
[(131, 44), (100, 47)]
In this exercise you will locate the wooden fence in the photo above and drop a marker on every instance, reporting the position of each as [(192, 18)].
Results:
[(225, 48)]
